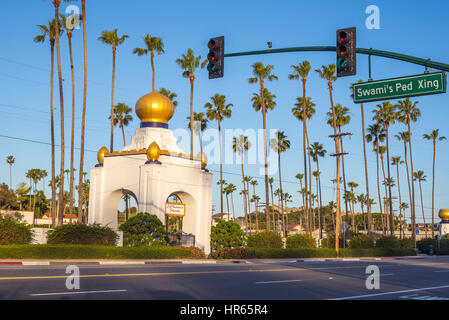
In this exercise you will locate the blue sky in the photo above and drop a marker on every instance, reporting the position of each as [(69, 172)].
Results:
[(409, 27)]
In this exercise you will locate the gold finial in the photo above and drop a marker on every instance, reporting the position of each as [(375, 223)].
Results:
[(153, 152), (155, 107), (444, 214), (203, 160), (100, 154)]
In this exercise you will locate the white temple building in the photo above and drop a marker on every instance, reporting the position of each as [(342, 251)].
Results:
[(151, 169)]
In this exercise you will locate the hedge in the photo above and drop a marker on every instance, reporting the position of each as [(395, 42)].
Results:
[(377, 252), (14, 232), (94, 252), (78, 233)]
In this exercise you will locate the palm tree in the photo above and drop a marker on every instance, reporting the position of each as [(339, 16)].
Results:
[(279, 145), (218, 110), (68, 27), (409, 112), (254, 183), (152, 44), (362, 200), (420, 177), (300, 176), (113, 39), (244, 193), (386, 115), (352, 198), (434, 137), (50, 31), (122, 117), (169, 94), (317, 152), (366, 165), (83, 121), (301, 71), (404, 206), (375, 135), (10, 160), (270, 182), (382, 150), (189, 63), (396, 161), (328, 74), (199, 125), (231, 189), (404, 136), (240, 145), (262, 73)]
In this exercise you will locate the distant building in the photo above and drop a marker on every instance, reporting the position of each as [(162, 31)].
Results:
[(22, 216), (216, 217)]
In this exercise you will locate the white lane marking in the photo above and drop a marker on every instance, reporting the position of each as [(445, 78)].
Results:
[(75, 292), (391, 292), (280, 281)]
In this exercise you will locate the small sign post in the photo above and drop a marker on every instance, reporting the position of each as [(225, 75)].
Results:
[(417, 85)]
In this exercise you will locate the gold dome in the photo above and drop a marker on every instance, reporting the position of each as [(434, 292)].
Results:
[(155, 107), (444, 214), (100, 154), (153, 151)]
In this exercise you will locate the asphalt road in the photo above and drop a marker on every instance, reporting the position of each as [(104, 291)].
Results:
[(410, 279)]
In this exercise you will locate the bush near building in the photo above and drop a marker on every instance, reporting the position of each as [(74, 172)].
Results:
[(13, 232), (301, 241), (227, 234), (361, 241), (144, 229), (390, 242), (78, 233), (266, 239), (329, 241)]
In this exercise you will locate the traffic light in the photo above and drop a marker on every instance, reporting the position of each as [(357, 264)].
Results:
[(216, 58), (346, 52)]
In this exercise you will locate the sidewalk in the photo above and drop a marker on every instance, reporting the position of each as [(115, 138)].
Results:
[(60, 262)]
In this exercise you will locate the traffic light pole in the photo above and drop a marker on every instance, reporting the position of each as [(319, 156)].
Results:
[(371, 52)]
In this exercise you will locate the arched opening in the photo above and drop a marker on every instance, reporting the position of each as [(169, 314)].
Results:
[(180, 215), (127, 206)]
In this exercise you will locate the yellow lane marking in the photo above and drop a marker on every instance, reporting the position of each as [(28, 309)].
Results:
[(108, 275)]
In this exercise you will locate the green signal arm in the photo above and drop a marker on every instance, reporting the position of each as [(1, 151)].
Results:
[(373, 52)]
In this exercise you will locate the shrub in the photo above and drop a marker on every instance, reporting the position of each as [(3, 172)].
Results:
[(13, 232), (196, 253), (423, 245), (232, 253), (79, 233), (143, 229), (329, 241), (407, 243), (265, 239), (227, 234), (377, 252), (388, 242), (261, 253), (301, 241), (361, 241)]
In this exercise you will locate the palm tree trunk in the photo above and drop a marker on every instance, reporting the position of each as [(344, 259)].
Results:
[(152, 67), (280, 188), (72, 143), (56, 4), (412, 181), (244, 194), (389, 187), (304, 131), (312, 212), (83, 121), (10, 177), (232, 203), (320, 203), (422, 208), (433, 188), (221, 169), (378, 185), (366, 169), (344, 177), (384, 220), (192, 79), (400, 201), (123, 133), (227, 203), (112, 98), (408, 181), (264, 114), (337, 151)]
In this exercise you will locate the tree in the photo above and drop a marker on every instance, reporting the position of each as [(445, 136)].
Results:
[(420, 177), (50, 31), (169, 94), (386, 115), (300, 176), (254, 183), (352, 198), (200, 122), (10, 160), (433, 136), (240, 145), (301, 71), (218, 110), (152, 44), (81, 195), (261, 74), (382, 150), (122, 117), (396, 161), (318, 151), (226, 234), (409, 112), (279, 145), (189, 63), (376, 134), (328, 73), (231, 188), (404, 136), (113, 39)]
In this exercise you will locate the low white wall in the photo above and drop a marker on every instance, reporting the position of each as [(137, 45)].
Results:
[(39, 235)]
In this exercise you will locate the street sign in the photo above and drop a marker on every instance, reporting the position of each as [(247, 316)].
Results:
[(175, 209), (417, 85)]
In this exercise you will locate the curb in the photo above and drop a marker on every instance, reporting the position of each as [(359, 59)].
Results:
[(366, 259)]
